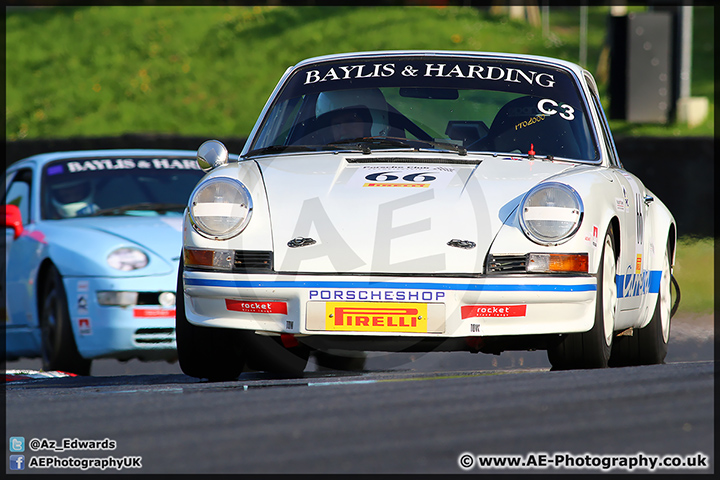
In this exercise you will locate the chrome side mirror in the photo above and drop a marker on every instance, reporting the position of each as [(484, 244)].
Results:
[(212, 154)]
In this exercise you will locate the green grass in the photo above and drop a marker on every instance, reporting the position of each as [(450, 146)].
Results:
[(694, 273), (207, 71)]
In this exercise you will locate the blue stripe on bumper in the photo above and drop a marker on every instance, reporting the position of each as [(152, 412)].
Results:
[(590, 287)]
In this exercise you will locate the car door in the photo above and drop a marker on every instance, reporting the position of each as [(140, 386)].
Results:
[(631, 208), (633, 275), (21, 254)]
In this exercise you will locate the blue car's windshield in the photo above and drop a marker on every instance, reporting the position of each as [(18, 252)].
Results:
[(117, 186), (479, 106)]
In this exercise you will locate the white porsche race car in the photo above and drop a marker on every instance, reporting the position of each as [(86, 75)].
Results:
[(423, 201)]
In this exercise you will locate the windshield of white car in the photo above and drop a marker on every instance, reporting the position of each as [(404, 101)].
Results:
[(449, 103), (136, 186)]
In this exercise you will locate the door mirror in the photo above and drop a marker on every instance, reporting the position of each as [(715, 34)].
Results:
[(211, 154), (13, 219)]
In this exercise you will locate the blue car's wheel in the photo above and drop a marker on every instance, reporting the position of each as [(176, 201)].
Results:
[(59, 350)]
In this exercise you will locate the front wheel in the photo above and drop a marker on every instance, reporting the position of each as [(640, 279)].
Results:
[(59, 349), (592, 349), (205, 352), (649, 345)]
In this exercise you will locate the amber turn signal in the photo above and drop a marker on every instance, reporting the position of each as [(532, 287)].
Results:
[(557, 262), (215, 259)]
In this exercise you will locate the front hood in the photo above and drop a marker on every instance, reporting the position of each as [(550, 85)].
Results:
[(392, 214), (159, 234), (80, 246)]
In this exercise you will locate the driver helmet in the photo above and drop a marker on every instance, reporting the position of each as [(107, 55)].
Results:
[(371, 98), (72, 198)]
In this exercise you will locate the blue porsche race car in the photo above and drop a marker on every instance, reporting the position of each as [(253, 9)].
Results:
[(93, 241)]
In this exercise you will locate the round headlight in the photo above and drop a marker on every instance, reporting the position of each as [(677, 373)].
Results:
[(127, 259), (220, 208), (551, 213)]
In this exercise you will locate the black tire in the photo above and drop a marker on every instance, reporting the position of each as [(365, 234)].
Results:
[(205, 352), (351, 362), (59, 349), (648, 345), (268, 354), (592, 349)]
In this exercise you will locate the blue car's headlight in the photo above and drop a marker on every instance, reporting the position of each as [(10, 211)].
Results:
[(127, 259), (551, 213), (220, 208)]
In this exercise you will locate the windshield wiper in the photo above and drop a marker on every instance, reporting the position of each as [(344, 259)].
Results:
[(400, 142), (359, 143), (448, 146), (280, 148), (146, 206)]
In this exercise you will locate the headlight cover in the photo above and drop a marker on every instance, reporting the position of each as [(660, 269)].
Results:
[(220, 208), (551, 213), (127, 259)]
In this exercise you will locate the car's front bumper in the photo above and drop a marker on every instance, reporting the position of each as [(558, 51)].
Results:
[(145, 331), (373, 306)]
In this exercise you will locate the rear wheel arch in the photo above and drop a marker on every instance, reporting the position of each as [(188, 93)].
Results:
[(672, 243), (615, 225)]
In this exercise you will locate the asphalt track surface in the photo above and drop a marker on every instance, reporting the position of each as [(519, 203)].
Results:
[(416, 415)]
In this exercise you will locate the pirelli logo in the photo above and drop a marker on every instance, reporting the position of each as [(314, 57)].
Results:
[(410, 318), (376, 317)]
